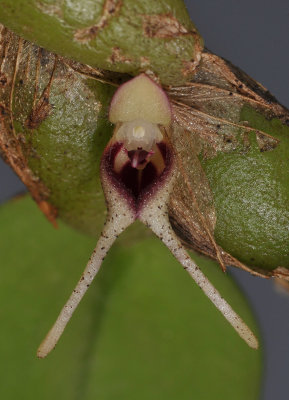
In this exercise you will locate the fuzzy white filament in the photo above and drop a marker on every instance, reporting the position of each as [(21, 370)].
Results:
[(115, 224), (161, 226)]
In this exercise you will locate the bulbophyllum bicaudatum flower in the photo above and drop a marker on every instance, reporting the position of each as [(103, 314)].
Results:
[(138, 171)]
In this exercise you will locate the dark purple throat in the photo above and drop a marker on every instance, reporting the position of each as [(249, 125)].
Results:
[(136, 184)]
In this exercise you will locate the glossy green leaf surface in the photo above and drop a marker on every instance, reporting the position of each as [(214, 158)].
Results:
[(144, 330), (126, 36)]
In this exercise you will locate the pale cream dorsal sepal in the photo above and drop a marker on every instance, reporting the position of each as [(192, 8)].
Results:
[(140, 97)]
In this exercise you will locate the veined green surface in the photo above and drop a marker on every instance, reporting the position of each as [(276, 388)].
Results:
[(120, 42), (251, 194), (144, 330)]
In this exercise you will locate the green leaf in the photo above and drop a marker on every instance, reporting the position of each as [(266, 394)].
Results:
[(125, 36), (144, 330)]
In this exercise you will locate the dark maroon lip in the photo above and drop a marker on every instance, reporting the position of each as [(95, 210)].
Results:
[(158, 183), (106, 170), (136, 186)]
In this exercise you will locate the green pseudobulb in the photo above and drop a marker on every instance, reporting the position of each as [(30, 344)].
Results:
[(251, 195), (68, 145)]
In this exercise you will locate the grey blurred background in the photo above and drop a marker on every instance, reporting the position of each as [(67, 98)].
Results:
[(254, 35)]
